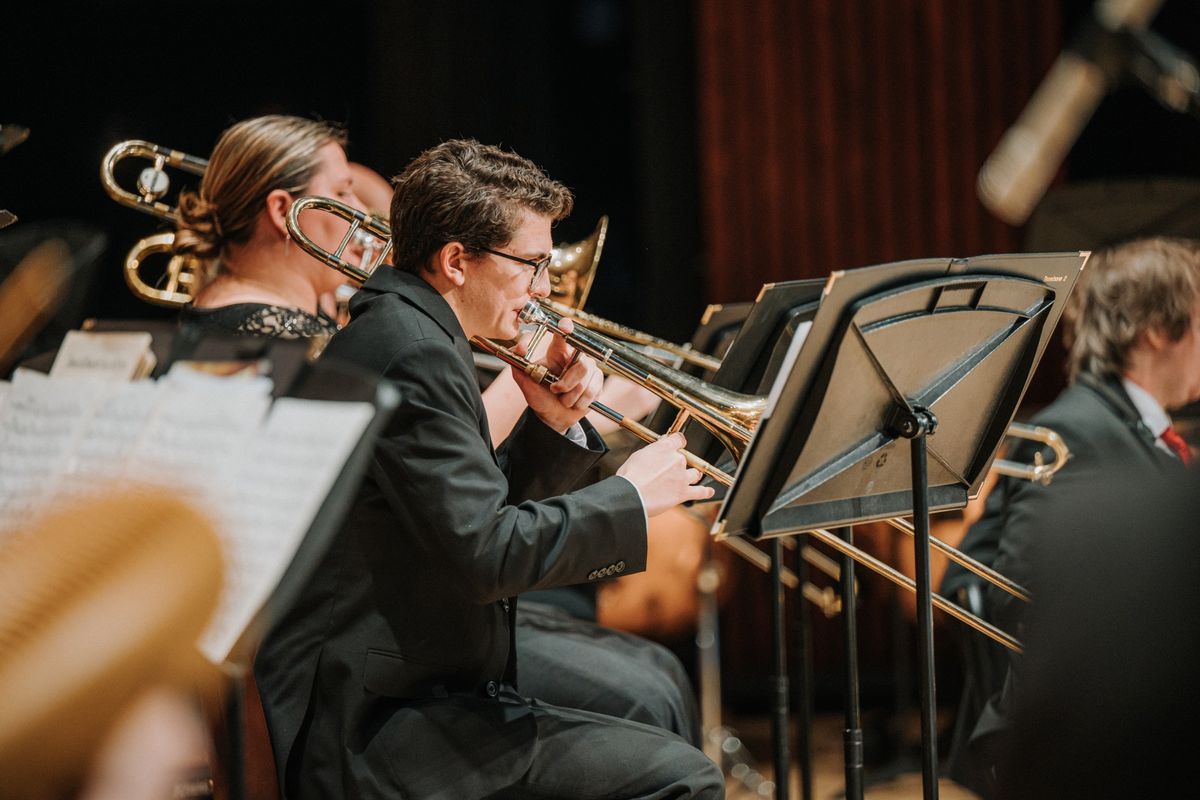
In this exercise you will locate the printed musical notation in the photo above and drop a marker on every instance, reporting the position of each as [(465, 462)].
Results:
[(260, 470)]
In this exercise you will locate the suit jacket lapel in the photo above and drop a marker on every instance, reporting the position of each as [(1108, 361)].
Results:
[(1112, 394), (416, 292)]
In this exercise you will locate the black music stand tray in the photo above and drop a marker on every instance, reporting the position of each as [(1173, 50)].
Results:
[(896, 353)]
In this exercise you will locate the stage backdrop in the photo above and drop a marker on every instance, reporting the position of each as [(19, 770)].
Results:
[(842, 133), (837, 134)]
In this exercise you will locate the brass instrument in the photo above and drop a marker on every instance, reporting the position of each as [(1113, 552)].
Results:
[(175, 287), (824, 597), (177, 281), (730, 416), (1038, 471), (573, 267), (153, 181), (178, 278), (360, 222), (572, 270), (624, 333)]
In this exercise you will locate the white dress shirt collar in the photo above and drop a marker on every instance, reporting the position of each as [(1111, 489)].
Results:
[(1152, 414)]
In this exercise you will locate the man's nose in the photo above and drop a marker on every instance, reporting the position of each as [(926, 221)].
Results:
[(541, 287)]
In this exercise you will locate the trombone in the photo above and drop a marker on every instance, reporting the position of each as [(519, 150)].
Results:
[(177, 284), (824, 597), (153, 181), (730, 415), (178, 281), (615, 330)]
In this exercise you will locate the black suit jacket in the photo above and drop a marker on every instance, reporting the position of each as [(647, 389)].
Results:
[(1104, 433), (414, 599)]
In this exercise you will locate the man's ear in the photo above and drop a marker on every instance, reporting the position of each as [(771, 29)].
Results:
[(278, 203), (450, 262), (1155, 338)]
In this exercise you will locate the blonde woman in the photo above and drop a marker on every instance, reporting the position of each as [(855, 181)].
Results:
[(253, 279)]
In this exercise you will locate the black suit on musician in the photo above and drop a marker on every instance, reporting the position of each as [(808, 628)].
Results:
[(566, 658), (1103, 431), (1023, 520), (393, 675)]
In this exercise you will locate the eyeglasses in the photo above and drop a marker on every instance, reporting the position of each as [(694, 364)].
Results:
[(539, 267)]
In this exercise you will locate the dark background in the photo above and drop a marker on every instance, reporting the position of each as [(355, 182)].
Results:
[(600, 93), (731, 143)]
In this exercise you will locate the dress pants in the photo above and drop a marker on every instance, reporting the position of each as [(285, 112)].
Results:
[(569, 662), (467, 746)]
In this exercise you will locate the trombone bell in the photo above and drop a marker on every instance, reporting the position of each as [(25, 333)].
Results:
[(573, 267)]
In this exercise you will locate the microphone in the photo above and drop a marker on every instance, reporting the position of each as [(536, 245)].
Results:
[(1165, 71), (1017, 173)]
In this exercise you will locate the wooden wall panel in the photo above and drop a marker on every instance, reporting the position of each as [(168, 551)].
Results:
[(841, 133)]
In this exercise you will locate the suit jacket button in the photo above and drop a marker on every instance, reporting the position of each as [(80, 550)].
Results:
[(620, 566), (492, 689)]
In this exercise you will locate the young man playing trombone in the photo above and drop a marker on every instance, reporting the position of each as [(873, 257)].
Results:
[(395, 673)]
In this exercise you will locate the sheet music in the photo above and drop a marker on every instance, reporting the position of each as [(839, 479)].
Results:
[(40, 424), (197, 431), (259, 471), (108, 438), (268, 502), (118, 355)]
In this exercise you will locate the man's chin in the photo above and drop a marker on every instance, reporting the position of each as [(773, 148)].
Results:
[(506, 333)]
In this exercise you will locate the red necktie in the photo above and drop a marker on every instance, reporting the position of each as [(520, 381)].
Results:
[(1173, 440)]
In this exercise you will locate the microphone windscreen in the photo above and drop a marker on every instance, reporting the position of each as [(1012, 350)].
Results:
[(1020, 169)]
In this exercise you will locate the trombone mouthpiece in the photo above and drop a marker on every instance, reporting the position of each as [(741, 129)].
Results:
[(534, 314)]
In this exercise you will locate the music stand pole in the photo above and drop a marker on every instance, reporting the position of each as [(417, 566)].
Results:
[(779, 719), (852, 734), (235, 712), (804, 679), (916, 425)]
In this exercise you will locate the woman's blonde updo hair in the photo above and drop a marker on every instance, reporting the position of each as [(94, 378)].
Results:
[(251, 159)]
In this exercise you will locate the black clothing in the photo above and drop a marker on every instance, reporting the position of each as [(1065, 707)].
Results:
[(1023, 519), (569, 662), (1107, 705), (1103, 431), (259, 319), (387, 678)]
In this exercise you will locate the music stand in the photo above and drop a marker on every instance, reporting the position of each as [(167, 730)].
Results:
[(895, 353), (751, 339), (774, 315)]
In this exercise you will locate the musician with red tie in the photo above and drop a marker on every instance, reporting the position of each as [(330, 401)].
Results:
[(1133, 332)]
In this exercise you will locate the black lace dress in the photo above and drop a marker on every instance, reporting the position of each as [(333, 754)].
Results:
[(259, 319)]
